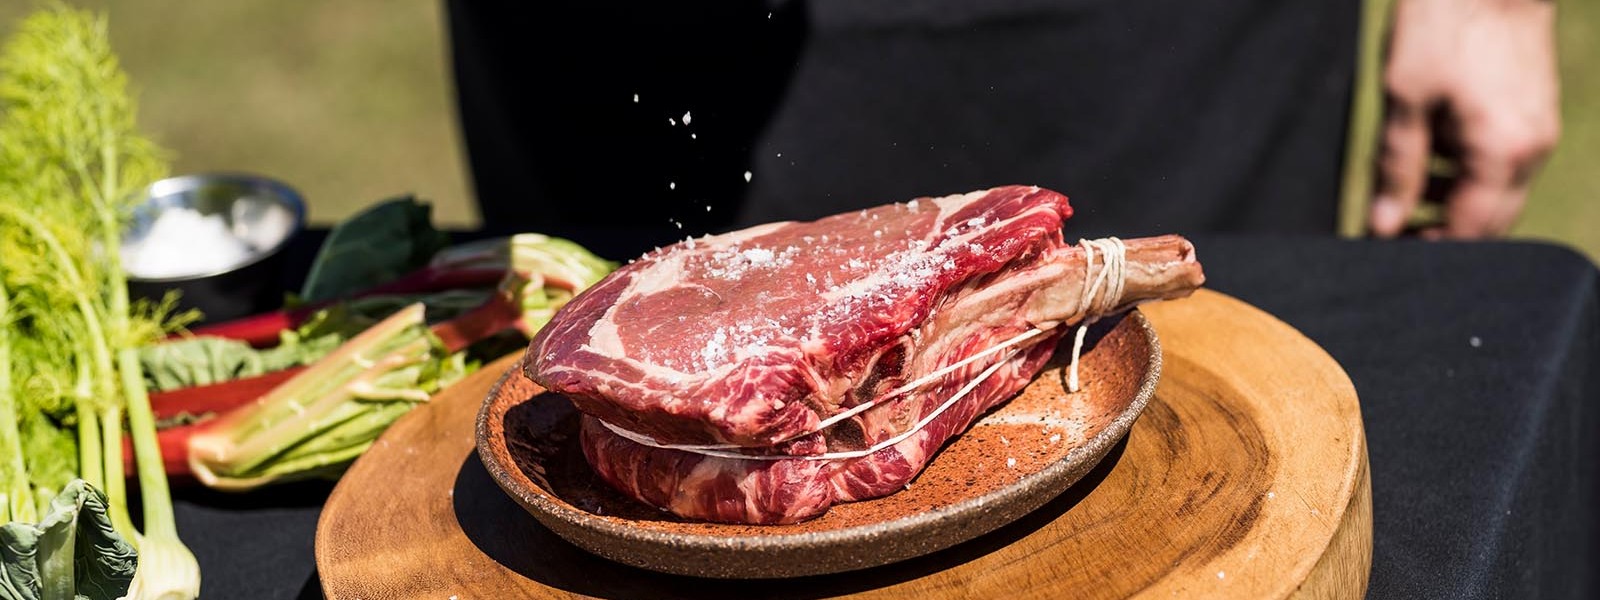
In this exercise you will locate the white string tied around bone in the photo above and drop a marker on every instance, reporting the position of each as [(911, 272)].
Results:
[(723, 453), (1112, 275)]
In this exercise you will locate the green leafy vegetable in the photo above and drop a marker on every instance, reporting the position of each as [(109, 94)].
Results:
[(378, 245), (320, 420), (316, 423), (72, 164), (71, 552), (206, 360)]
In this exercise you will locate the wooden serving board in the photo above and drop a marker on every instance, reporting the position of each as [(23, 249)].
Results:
[(1246, 476)]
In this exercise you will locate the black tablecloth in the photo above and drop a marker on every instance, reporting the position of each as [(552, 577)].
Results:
[(1475, 364)]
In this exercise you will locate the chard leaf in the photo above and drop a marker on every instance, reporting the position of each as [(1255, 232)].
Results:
[(206, 360), (72, 552), (379, 244)]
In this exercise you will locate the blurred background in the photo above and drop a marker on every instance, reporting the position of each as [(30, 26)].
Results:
[(352, 102)]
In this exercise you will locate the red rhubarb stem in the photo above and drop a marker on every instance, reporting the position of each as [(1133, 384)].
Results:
[(430, 280), (493, 316), (217, 397), (260, 331), (174, 444)]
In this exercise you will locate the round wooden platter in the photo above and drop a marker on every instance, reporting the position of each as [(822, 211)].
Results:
[(1246, 476)]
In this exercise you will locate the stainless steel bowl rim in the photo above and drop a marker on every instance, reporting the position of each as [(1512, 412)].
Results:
[(289, 198)]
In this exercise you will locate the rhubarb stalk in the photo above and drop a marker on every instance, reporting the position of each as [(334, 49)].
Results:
[(317, 422)]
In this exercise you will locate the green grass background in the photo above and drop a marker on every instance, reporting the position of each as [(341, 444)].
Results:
[(350, 102)]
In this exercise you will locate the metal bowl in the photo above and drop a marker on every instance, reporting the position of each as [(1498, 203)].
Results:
[(263, 215)]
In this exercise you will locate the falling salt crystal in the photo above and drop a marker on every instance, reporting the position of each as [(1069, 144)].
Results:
[(670, 121), (747, 176), (708, 208), (672, 185), (1011, 463), (692, 136), (635, 98), (1475, 341), (686, 117), (780, 155)]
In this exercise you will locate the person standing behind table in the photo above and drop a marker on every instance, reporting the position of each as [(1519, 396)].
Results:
[(1474, 81), (634, 124)]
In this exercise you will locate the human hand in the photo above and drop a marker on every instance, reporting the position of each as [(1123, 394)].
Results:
[(1474, 81)]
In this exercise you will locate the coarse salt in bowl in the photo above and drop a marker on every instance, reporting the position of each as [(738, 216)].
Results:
[(215, 239)]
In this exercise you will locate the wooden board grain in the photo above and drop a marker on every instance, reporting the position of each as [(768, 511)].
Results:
[(1245, 477)]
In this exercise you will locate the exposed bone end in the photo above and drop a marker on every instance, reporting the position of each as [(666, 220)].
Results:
[(1160, 268), (1157, 268)]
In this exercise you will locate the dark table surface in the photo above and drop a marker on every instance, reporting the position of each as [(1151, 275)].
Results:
[(1476, 368)]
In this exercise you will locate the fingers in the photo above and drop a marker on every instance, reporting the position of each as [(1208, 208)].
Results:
[(1482, 207), (1478, 85), (1402, 166), (1499, 158)]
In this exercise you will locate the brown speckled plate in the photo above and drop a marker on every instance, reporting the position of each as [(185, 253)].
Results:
[(1012, 461)]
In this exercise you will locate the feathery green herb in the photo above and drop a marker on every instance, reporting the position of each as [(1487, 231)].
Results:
[(72, 164)]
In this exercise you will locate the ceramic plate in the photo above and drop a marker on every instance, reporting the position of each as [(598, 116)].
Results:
[(1013, 460)]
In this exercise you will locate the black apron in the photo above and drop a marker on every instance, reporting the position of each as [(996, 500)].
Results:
[(626, 125)]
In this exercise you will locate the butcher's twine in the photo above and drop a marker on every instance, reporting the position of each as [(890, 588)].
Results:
[(1113, 276), (722, 453)]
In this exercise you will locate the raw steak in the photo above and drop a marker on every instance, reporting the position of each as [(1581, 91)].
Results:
[(753, 338)]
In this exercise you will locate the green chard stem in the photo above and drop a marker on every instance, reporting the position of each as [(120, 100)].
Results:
[(167, 569), (91, 461), (18, 497), (158, 517), (116, 480), (307, 421)]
